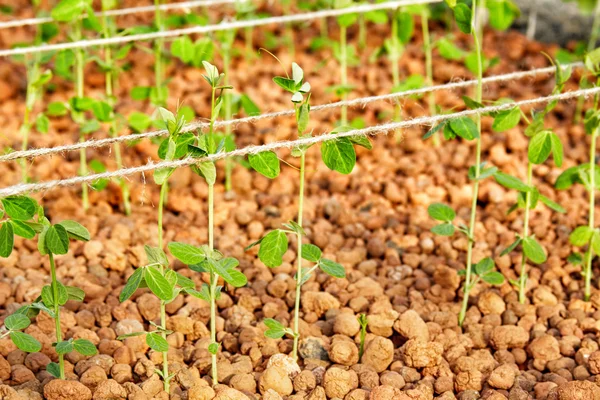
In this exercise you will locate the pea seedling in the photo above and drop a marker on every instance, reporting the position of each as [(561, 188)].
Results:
[(205, 259), (26, 218), (467, 129), (275, 243), (14, 325), (589, 175), (543, 143)]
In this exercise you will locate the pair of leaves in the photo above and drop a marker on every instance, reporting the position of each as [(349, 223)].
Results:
[(312, 253), (445, 214), (82, 346), (484, 269), (275, 329), (295, 85), (585, 235), (544, 143), (193, 53)]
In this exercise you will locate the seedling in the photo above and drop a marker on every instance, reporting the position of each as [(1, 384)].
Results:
[(25, 218), (543, 143), (589, 175), (275, 243), (72, 62), (362, 320), (468, 130)]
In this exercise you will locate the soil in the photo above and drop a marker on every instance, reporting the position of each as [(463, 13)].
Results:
[(373, 221)]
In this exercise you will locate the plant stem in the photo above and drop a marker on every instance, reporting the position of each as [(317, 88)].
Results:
[(532, 21), (109, 79), (289, 33), (248, 38), (61, 359), (79, 65), (299, 260), (395, 58), (429, 67), (228, 113), (523, 274), (213, 284), (25, 129), (595, 28), (158, 59), (163, 312), (592, 201), (472, 221), (362, 31), (344, 73)]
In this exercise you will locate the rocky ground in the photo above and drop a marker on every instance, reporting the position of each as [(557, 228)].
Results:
[(374, 222)]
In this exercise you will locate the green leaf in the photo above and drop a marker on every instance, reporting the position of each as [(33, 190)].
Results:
[(265, 163), (19, 207), (206, 170), (511, 247), (575, 259), (249, 106), (139, 122), (16, 322), (596, 242), (581, 236), (158, 284), (540, 147), (552, 205), (493, 278), (22, 229), (203, 293), (332, 268), (157, 342), (185, 282), (25, 342), (224, 268), (187, 253), (184, 49), (64, 347), (140, 93), (74, 293), (339, 155), (57, 239), (441, 212), (102, 111), (445, 229), (57, 109), (162, 174), (213, 348), (506, 120), (42, 123), (484, 266), (7, 239), (533, 250), (75, 230), (510, 182), (156, 255), (464, 127), (84, 347), (449, 50), (53, 369), (557, 149), (286, 84), (463, 16), (275, 329), (362, 141), (69, 10), (311, 253), (272, 248)]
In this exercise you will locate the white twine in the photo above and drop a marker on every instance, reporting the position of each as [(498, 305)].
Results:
[(124, 11), (224, 26), (363, 101), (370, 131)]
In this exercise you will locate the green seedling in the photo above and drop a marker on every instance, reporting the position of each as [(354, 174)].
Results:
[(588, 175), (72, 62), (468, 130), (363, 322), (275, 243), (204, 259), (345, 54), (543, 143), (25, 218)]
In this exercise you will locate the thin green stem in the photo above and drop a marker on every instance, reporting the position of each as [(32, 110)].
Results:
[(25, 129), (592, 206), (344, 73), (249, 42), (394, 59), (158, 56), (163, 312), (523, 274), (428, 49), (114, 131), (473, 218), (299, 272), (79, 85), (228, 113), (289, 32), (161, 206), (362, 31), (61, 358), (595, 28), (213, 284)]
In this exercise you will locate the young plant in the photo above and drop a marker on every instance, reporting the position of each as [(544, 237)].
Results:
[(25, 218), (468, 130), (72, 62), (204, 259), (363, 322), (588, 175), (543, 142), (275, 243), (226, 39)]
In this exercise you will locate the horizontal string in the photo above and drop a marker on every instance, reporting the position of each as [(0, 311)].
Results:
[(224, 26), (124, 11), (363, 101), (370, 131)]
